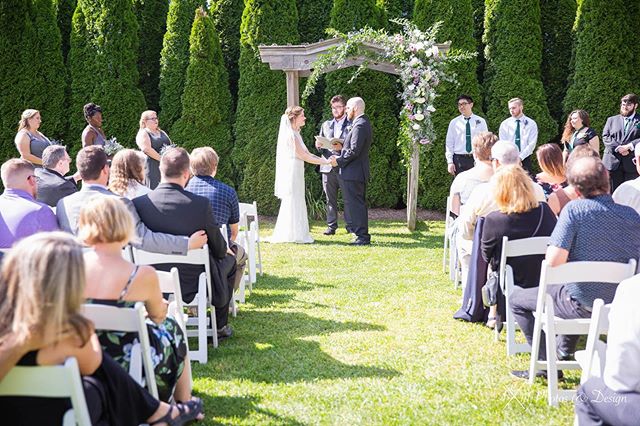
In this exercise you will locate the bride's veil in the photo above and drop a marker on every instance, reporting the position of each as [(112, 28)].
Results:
[(284, 159)]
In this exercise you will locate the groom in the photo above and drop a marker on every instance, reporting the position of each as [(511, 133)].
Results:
[(354, 171)]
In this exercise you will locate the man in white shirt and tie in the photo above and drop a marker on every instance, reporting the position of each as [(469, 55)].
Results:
[(521, 130), (462, 129)]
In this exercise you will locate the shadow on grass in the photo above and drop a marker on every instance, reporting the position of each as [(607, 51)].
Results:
[(282, 290), (400, 240), (240, 407)]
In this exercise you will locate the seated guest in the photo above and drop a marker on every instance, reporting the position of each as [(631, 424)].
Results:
[(465, 182), (223, 200), (106, 226), (519, 215), (551, 162), (20, 214), (561, 196), (614, 398), (94, 171), (628, 193), (170, 208), (52, 185), (592, 228), (127, 174), (41, 287)]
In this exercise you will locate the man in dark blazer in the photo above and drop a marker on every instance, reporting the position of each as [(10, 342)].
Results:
[(620, 136), (334, 128), (170, 208), (52, 184), (354, 171)]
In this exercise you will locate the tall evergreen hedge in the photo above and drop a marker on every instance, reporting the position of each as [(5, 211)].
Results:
[(152, 21), (379, 92), (206, 101), (64, 13), (513, 56), (604, 70), (227, 15), (104, 45), (457, 18), (397, 9), (174, 58)]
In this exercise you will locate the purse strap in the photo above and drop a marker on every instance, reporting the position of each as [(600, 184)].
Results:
[(540, 220)]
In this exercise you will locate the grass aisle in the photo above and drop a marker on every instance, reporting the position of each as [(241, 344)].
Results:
[(342, 335)]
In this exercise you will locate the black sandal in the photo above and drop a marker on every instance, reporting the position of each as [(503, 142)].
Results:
[(194, 407)]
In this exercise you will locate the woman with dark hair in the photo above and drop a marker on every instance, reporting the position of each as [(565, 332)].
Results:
[(93, 133), (577, 132), (561, 196), (29, 141), (551, 162)]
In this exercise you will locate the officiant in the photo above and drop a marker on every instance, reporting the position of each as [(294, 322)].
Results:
[(337, 127)]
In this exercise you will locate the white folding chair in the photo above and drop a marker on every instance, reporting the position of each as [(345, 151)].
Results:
[(205, 325), (593, 357), (233, 306), (448, 220), (56, 381), (251, 210), (127, 253), (128, 320), (515, 248), (170, 284), (545, 319)]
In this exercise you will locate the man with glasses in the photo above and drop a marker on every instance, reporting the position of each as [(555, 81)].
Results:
[(521, 130), (52, 184), (462, 129), (620, 136), (20, 214)]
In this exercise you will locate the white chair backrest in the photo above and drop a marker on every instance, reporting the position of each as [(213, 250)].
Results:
[(595, 349), (521, 247), (127, 253), (587, 271), (170, 284), (59, 381), (225, 234)]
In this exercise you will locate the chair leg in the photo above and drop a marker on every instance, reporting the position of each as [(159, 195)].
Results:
[(552, 368), (202, 329), (214, 327), (535, 349)]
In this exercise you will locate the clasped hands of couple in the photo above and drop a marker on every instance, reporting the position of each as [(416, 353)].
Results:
[(337, 147)]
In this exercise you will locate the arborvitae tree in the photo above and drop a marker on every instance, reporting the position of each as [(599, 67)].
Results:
[(174, 58), (478, 29), (152, 21), (557, 21), (206, 102), (457, 18), (396, 9), (227, 15), (512, 69), (379, 92), (104, 45), (64, 13), (604, 70), (261, 97)]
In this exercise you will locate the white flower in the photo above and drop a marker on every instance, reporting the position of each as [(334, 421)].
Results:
[(420, 100), (419, 45), (414, 61), (419, 117), (416, 126), (435, 50), (431, 108), (411, 87), (427, 75)]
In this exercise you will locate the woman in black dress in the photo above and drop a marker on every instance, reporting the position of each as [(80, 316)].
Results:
[(577, 132), (151, 139)]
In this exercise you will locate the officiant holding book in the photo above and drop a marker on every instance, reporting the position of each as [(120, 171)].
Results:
[(337, 127)]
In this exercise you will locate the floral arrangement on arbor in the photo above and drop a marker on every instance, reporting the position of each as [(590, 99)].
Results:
[(415, 55)]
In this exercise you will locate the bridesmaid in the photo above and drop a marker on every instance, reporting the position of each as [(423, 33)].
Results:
[(151, 139), (93, 133), (29, 141)]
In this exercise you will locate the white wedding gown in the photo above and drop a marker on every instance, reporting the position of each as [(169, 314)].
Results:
[(292, 225)]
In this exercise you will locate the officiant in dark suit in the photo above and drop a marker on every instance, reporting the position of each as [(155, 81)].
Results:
[(337, 127), (353, 162), (620, 136)]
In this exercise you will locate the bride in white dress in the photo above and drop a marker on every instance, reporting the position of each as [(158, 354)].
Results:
[(292, 225)]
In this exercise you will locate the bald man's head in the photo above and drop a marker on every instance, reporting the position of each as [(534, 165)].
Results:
[(589, 177)]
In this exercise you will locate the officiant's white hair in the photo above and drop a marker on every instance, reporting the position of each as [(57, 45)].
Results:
[(357, 102)]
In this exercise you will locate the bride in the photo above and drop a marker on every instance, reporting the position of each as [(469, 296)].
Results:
[(292, 225)]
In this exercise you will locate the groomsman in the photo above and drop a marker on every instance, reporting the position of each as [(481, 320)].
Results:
[(620, 136), (521, 130), (462, 129), (337, 127)]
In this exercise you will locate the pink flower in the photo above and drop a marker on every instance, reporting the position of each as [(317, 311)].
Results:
[(425, 141)]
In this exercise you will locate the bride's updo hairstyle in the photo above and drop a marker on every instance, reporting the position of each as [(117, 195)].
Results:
[(293, 112)]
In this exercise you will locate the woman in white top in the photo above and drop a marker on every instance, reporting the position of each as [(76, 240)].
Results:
[(292, 225), (127, 174)]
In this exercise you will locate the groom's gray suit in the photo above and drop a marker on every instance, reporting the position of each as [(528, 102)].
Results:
[(621, 167)]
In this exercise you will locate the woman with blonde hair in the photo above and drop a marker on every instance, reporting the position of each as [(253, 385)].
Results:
[(519, 215), (106, 226), (553, 175), (126, 175), (151, 140), (29, 141), (41, 290)]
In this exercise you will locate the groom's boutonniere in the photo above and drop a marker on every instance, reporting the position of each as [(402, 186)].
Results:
[(477, 122), (526, 121), (349, 127)]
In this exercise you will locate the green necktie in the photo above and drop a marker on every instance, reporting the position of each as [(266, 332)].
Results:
[(627, 122), (468, 135), (518, 134)]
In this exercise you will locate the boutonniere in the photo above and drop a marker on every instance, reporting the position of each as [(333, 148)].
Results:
[(349, 127), (477, 122), (526, 122), (638, 125)]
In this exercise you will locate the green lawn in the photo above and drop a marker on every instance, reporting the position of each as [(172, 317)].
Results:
[(335, 334)]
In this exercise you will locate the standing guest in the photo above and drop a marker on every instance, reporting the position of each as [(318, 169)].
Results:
[(52, 183), (170, 208), (561, 196), (223, 200), (29, 141), (521, 130), (620, 135), (577, 132), (337, 127), (151, 140), (551, 162), (41, 292), (20, 214), (127, 174), (93, 133), (460, 134)]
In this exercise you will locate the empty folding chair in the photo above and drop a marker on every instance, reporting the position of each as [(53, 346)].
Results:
[(255, 258)]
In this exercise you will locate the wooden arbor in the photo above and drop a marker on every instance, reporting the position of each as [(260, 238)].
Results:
[(297, 61)]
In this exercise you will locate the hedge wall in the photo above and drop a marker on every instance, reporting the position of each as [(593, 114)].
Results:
[(513, 55), (457, 18), (261, 98), (206, 102), (64, 13)]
